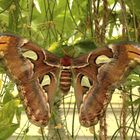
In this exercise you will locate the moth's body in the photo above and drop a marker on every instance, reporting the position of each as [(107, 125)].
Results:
[(65, 74), (65, 79), (28, 74)]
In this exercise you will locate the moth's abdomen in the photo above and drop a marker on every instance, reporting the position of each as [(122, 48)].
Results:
[(65, 80)]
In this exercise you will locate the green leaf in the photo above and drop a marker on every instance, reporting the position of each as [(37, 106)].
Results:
[(64, 25), (59, 9), (5, 3), (84, 46), (13, 17), (61, 50), (36, 3), (1, 68), (132, 83), (134, 5), (7, 130), (135, 102), (9, 87), (137, 70), (79, 48), (79, 9), (18, 113), (134, 77), (7, 112)]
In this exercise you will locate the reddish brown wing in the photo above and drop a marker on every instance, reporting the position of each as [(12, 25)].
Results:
[(27, 72), (125, 56), (87, 66)]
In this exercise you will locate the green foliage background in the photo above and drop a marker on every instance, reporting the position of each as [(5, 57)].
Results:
[(74, 26)]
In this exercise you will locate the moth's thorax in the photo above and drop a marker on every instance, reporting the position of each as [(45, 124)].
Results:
[(65, 61)]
